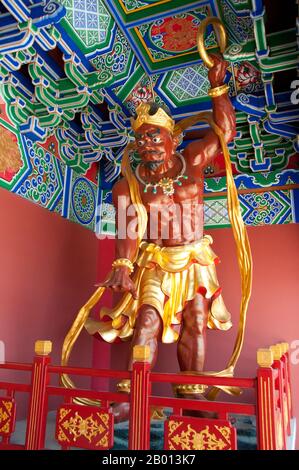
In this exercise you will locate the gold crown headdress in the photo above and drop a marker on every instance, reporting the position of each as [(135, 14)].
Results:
[(160, 118)]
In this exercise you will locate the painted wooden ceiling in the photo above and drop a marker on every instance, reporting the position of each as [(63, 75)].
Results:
[(72, 73)]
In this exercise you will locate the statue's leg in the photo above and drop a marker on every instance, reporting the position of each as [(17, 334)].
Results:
[(147, 330), (192, 344)]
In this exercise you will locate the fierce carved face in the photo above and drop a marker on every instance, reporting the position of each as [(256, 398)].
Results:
[(155, 145)]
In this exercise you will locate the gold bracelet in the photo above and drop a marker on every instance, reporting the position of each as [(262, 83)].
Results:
[(123, 262), (218, 91)]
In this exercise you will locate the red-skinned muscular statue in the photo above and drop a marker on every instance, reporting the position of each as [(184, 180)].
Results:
[(174, 292)]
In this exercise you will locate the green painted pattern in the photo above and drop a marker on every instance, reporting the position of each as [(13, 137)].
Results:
[(187, 85), (89, 35)]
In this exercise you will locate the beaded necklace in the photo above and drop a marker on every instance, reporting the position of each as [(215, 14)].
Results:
[(166, 183)]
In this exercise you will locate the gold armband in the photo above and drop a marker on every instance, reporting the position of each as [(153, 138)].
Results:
[(123, 262), (218, 91)]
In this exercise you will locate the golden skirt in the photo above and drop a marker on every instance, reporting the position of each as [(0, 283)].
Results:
[(166, 278)]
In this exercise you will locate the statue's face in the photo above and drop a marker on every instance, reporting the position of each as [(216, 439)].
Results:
[(155, 145)]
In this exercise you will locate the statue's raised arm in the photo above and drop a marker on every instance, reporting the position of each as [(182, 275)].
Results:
[(199, 153)]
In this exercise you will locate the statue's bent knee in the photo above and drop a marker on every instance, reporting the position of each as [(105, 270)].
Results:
[(148, 320)]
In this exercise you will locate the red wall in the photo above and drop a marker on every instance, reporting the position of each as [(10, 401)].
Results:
[(273, 310), (47, 271)]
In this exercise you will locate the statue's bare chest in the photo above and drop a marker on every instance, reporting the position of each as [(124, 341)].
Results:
[(190, 190)]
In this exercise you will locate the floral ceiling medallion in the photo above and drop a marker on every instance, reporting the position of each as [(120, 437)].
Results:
[(175, 34)]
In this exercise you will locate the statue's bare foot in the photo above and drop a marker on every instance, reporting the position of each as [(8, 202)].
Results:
[(121, 412)]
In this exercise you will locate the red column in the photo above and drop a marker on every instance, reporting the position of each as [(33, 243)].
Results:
[(139, 426), (38, 406)]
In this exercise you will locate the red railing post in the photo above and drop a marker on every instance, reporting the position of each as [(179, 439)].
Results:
[(139, 427), (266, 416), (287, 382), (279, 386), (38, 406)]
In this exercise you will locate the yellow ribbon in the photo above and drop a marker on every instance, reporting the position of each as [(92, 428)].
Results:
[(135, 195), (71, 338), (234, 211)]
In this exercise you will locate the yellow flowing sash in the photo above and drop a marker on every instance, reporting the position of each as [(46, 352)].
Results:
[(238, 227)]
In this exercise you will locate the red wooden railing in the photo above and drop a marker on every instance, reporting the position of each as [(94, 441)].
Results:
[(92, 427)]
